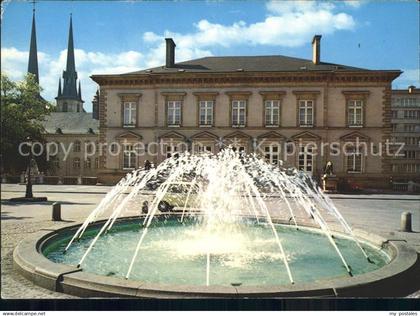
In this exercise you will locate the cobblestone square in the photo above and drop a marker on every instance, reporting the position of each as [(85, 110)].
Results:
[(375, 213)]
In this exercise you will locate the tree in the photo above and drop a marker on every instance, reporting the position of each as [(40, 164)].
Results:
[(22, 111)]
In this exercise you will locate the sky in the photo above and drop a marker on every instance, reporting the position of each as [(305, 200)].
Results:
[(123, 36)]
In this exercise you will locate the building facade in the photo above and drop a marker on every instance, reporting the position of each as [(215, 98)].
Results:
[(282, 108), (406, 134)]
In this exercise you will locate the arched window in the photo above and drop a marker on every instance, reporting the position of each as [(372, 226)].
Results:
[(65, 107)]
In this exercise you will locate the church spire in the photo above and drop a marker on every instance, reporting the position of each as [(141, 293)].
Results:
[(70, 74), (33, 52), (80, 91), (59, 88), (71, 66), (69, 96)]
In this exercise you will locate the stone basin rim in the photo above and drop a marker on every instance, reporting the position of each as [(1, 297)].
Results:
[(387, 281)]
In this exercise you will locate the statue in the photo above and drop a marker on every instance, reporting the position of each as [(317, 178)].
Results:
[(329, 170), (329, 179)]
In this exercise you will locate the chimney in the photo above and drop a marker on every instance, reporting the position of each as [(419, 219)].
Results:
[(316, 49), (170, 52), (411, 89)]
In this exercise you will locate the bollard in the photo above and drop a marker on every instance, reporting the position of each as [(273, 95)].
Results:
[(406, 222), (56, 211)]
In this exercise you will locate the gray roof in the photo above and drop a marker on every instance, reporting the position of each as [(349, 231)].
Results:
[(70, 123), (248, 64)]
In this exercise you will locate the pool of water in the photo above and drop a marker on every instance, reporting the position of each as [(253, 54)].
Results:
[(175, 253)]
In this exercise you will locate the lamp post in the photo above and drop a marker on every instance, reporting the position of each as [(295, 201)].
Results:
[(28, 193)]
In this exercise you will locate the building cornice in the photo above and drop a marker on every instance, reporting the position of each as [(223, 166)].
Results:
[(385, 76)]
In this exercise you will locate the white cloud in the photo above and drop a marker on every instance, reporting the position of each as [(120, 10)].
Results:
[(287, 23), (15, 63), (353, 3)]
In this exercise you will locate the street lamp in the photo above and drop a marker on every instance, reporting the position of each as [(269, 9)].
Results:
[(28, 193)]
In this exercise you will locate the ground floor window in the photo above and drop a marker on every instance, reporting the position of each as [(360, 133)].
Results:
[(55, 162), (204, 148), (306, 159), (272, 154), (130, 157), (354, 161), (239, 148), (171, 150)]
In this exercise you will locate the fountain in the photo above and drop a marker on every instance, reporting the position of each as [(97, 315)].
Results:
[(215, 225)]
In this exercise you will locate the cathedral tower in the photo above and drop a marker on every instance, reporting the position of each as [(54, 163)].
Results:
[(69, 98)]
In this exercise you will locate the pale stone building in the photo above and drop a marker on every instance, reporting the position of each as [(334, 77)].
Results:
[(406, 131), (263, 104)]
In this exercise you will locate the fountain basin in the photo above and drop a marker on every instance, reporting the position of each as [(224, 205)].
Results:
[(387, 279)]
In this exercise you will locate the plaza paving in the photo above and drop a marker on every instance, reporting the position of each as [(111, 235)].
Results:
[(375, 213)]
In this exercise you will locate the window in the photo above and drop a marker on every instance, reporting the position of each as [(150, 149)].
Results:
[(272, 154), (408, 102), (130, 113), (55, 161), (409, 154), (410, 140), (394, 127), (130, 157), (174, 113), (76, 163), (306, 113), (410, 168), (411, 114), (355, 113), (205, 148), (238, 113), (89, 147), (409, 128), (305, 161), (76, 147), (206, 113), (114, 148), (88, 163), (171, 150), (96, 163), (354, 161), (272, 113), (241, 149), (394, 114), (65, 107)]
